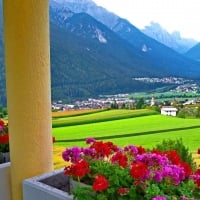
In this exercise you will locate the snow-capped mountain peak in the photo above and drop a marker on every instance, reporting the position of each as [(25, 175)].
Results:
[(173, 40)]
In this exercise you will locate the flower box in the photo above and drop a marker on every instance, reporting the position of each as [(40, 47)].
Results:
[(5, 181), (130, 172), (52, 186), (4, 157)]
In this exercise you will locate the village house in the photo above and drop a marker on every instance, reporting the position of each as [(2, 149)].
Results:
[(169, 110)]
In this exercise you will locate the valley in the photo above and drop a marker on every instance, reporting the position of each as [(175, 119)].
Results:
[(93, 56)]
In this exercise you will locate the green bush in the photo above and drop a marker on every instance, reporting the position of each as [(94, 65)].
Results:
[(187, 113), (177, 145)]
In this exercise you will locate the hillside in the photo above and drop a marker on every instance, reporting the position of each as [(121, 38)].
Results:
[(99, 61), (95, 59), (88, 58), (112, 21), (161, 56), (194, 53), (154, 35)]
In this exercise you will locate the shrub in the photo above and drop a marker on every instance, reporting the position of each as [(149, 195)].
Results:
[(177, 145)]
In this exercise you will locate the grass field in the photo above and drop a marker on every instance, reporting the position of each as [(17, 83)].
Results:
[(144, 130), (124, 126), (154, 128), (98, 116)]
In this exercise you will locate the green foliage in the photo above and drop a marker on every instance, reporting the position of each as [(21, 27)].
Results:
[(153, 190), (114, 105), (198, 112), (155, 108), (140, 103), (187, 189), (187, 113), (177, 145), (3, 112), (83, 193)]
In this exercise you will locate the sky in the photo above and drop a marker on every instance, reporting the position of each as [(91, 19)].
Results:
[(172, 15)]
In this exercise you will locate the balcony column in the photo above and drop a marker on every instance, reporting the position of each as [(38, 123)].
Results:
[(27, 59)]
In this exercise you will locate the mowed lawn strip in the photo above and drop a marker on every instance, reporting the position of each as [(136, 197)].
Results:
[(124, 126), (190, 139), (108, 115)]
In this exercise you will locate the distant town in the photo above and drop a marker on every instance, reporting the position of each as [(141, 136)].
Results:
[(171, 80), (188, 90)]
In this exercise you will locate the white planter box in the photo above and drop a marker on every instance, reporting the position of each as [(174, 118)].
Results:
[(38, 188), (5, 193)]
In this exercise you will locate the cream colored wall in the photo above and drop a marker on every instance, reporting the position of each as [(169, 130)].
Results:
[(26, 28)]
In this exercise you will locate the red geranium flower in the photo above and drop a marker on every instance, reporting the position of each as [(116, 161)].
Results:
[(103, 149), (158, 152), (174, 157), (198, 151), (123, 191), (197, 180), (100, 183), (187, 168), (197, 172), (1, 123), (4, 139), (141, 150), (78, 169), (120, 158), (138, 170)]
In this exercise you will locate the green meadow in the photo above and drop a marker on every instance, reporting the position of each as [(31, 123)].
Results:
[(97, 116), (125, 127)]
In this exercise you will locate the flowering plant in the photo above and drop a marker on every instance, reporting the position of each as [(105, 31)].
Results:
[(198, 151), (131, 172), (4, 137)]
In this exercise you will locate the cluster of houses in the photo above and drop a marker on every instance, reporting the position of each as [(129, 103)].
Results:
[(121, 101), (108, 101)]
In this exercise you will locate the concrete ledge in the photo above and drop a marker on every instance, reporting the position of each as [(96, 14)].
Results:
[(43, 187), (5, 193)]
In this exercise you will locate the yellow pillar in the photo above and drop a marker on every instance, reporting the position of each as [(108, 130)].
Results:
[(26, 32)]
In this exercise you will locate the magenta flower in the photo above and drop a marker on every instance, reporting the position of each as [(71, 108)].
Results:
[(90, 140), (159, 198), (72, 154)]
